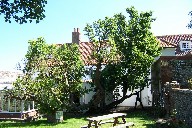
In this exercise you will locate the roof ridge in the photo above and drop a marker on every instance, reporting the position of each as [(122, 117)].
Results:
[(173, 35)]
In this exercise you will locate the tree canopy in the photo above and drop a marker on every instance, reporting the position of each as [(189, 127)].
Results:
[(51, 74), (23, 11), (190, 23), (103, 51), (135, 47)]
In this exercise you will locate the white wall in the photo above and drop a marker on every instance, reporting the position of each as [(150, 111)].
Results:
[(85, 99), (87, 96), (168, 52), (146, 96), (128, 102)]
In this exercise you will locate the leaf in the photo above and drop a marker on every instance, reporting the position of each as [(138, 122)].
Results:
[(48, 72)]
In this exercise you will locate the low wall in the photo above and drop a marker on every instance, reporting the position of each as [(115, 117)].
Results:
[(181, 101)]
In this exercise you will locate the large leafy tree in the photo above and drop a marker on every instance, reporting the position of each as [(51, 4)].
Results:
[(23, 11), (51, 74), (103, 51), (135, 47)]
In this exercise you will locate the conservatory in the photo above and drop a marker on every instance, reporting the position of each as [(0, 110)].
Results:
[(15, 109)]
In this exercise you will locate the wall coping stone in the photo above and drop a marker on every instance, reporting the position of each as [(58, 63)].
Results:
[(182, 90)]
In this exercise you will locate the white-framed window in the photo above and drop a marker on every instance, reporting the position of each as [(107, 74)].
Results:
[(185, 45)]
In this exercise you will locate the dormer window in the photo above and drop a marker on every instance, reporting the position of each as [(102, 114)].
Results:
[(185, 45)]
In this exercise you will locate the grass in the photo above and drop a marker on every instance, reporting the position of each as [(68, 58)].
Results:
[(140, 118)]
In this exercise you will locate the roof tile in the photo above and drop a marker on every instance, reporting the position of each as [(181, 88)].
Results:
[(173, 41)]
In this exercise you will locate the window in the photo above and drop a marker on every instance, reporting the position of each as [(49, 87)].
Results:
[(185, 45)]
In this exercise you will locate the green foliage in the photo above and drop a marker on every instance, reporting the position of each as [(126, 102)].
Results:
[(103, 51), (137, 48), (103, 46), (51, 74), (190, 23), (130, 47), (23, 11)]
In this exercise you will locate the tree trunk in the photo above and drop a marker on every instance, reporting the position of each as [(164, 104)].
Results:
[(51, 118), (55, 117), (115, 103), (99, 96)]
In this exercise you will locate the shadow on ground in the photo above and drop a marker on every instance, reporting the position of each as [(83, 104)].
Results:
[(139, 116), (6, 124)]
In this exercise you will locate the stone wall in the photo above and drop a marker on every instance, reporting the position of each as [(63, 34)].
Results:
[(181, 101), (176, 69)]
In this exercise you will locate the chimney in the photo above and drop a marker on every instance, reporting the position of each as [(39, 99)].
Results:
[(76, 36)]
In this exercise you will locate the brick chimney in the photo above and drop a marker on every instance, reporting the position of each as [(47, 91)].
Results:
[(76, 36)]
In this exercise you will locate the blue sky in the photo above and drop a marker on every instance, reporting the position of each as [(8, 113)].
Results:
[(64, 15)]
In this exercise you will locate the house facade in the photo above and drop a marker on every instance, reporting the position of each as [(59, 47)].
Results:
[(180, 44), (173, 45)]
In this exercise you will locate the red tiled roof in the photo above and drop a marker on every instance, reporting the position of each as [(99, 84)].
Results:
[(85, 49), (164, 43), (185, 53), (173, 41)]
